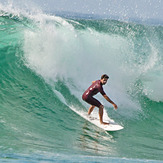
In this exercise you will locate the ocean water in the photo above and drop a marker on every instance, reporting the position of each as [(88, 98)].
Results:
[(47, 62)]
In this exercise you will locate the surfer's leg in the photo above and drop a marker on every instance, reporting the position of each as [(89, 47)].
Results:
[(91, 109), (101, 108), (101, 113), (93, 102)]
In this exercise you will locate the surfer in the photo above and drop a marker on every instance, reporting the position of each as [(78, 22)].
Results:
[(96, 87)]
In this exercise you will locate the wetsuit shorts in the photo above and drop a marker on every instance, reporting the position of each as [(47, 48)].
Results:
[(91, 100)]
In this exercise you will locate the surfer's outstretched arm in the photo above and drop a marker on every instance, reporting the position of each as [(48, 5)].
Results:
[(109, 100)]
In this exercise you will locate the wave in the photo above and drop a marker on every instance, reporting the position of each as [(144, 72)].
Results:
[(128, 52), (47, 62)]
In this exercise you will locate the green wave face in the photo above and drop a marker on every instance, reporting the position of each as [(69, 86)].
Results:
[(47, 62)]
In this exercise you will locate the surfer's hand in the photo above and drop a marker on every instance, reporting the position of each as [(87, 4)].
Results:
[(115, 106)]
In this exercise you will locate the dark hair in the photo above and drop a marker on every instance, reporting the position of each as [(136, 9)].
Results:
[(104, 76)]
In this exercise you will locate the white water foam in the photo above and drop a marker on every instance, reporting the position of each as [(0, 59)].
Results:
[(56, 50), (80, 55)]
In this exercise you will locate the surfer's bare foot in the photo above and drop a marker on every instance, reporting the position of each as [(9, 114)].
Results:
[(104, 123)]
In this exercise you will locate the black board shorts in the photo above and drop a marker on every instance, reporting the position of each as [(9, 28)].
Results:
[(91, 100)]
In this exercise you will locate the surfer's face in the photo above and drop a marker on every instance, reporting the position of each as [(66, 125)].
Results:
[(104, 81)]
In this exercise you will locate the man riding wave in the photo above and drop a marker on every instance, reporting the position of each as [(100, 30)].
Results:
[(96, 87)]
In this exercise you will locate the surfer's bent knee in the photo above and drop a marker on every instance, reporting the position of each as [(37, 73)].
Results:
[(101, 106)]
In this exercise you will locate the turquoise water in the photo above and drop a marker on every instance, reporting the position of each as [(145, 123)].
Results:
[(46, 63)]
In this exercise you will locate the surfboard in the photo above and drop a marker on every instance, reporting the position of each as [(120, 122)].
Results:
[(94, 119)]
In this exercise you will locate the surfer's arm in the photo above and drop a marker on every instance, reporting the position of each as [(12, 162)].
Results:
[(109, 100)]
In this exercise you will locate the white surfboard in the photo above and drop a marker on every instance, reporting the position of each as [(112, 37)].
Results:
[(94, 119)]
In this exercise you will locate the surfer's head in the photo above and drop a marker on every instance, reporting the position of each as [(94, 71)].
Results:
[(104, 79)]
